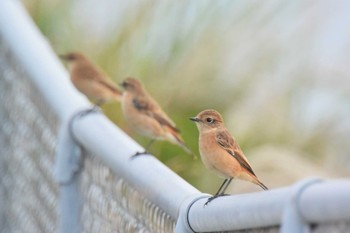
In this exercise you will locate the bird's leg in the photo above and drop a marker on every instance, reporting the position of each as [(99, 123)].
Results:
[(99, 103), (222, 185), (94, 108), (89, 110), (146, 149), (226, 186), (149, 145), (221, 191), (217, 194)]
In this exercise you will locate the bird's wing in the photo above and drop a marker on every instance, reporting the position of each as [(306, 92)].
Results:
[(226, 142), (147, 107), (93, 73), (109, 85), (88, 70)]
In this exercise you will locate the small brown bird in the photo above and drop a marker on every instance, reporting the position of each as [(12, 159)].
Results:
[(220, 152), (146, 117), (90, 80)]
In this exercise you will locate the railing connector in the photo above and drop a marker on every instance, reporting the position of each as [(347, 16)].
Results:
[(183, 224), (292, 219), (67, 169)]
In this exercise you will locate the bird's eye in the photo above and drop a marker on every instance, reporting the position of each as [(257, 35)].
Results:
[(210, 120)]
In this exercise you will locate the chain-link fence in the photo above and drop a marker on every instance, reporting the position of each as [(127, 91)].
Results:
[(111, 205), (27, 141), (28, 190), (121, 200)]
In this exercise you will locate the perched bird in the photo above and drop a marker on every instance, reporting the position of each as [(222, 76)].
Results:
[(220, 152), (90, 80), (146, 117)]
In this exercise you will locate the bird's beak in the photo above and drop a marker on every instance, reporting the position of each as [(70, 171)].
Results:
[(121, 84), (195, 119)]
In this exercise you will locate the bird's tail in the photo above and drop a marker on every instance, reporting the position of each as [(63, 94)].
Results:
[(179, 141), (112, 93), (258, 182), (188, 150), (117, 94)]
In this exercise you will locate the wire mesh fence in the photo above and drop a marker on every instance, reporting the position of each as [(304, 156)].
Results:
[(111, 205), (28, 136), (30, 193), (27, 142)]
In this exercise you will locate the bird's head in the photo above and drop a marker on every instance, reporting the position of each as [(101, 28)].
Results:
[(72, 57), (131, 84), (208, 119)]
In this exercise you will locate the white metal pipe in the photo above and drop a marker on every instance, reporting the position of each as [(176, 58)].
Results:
[(40, 62), (151, 177), (292, 220), (237, 212), (319, 203), (182, 223), (326, 202), (67, 170)]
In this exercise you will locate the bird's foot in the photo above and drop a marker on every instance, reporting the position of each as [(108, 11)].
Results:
[(212, 198), (89, 110), (140, 153)]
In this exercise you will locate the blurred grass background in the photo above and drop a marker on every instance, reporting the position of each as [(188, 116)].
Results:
[(277, 71)]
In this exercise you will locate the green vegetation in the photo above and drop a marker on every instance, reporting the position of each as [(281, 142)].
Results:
[(264, 66)]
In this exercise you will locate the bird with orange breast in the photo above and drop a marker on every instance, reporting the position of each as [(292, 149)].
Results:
[(221, 153), (146, 117), (90, 79)]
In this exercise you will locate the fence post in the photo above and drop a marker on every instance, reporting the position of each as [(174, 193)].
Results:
[(67, 170)]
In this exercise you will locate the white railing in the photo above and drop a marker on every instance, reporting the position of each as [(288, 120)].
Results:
[(310, 201)]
